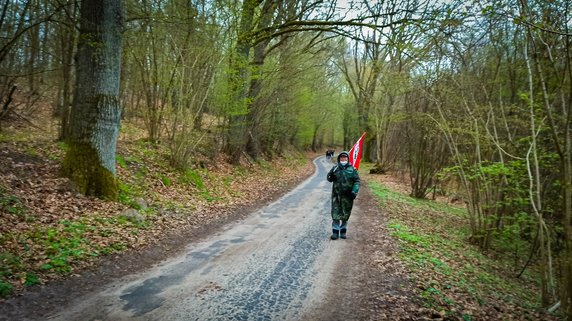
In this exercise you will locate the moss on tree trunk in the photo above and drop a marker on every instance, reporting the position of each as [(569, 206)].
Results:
[(83, 167)]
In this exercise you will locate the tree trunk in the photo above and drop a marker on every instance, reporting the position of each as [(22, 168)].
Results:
[(236, 137), (33, 50), (566, 293), (244, 129), (95, 116), (67, 44), (253, 147)]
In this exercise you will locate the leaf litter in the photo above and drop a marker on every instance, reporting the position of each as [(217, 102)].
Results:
[(408, 268)]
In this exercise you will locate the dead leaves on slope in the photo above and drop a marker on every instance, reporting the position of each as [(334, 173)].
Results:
[(451, 279), (47, 231)]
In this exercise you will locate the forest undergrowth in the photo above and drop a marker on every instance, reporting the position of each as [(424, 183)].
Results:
[(50, 232), (452, 277)]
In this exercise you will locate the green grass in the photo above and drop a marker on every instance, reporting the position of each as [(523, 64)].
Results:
[(120, 160), (165, 180), (387, 195), (208, 197), (11, 204), (64, 245), (433, 245), (126, 193), (5, 288), (190, 176), (10, 264)]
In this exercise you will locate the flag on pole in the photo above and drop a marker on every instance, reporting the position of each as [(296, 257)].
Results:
[(355, 152)]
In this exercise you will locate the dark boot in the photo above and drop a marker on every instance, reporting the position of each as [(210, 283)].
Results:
[(343, 233), (335, 234)]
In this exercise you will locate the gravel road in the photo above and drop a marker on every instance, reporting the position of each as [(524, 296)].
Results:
[(277, 264)]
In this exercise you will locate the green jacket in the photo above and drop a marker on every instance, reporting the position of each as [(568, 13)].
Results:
[(346, 184)]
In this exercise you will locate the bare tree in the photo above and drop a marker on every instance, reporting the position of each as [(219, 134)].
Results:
[(550, 54)]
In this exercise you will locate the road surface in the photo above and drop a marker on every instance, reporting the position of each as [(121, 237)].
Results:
[(277, 264)]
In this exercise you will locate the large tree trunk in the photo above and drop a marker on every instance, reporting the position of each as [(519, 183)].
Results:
[(253, 145), (95, 116), (236, 135)]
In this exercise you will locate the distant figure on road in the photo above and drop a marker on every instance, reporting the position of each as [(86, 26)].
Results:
[(344, 190), (329, 154)]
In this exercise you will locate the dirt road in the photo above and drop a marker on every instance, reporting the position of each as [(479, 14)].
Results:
[(277, 264)]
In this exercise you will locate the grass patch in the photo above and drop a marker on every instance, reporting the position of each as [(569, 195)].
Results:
[(190, 176), (387, 195), (208, 197), (447, 269), (126, 194), (5, 288), (63, 246), (11, 204), (165, 180), (120, 160)]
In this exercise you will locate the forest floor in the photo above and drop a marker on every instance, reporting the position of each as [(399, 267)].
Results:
[(417, 263)]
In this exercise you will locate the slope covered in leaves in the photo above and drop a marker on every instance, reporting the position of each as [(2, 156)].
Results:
[(451, 277), (47, 231)]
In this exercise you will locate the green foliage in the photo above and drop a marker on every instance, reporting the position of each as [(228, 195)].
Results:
[(125, 193), (63, 145), (166, 180), (437, 253), (31, 279), (120, 161), (240, 171), (208, 197), (192, 177), (516, 230), (11, 204), (131, 159), (9, 265), (265, 165), (5, 288), (413, 245), (431, 297), (32, 151), (64, 245), (141, 172), (403, 233), (172, 206), (385, 194)]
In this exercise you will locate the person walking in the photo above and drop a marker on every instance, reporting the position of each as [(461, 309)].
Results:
[(346, 184)]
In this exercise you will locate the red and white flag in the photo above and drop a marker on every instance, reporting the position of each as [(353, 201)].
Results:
[(355, 152)]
